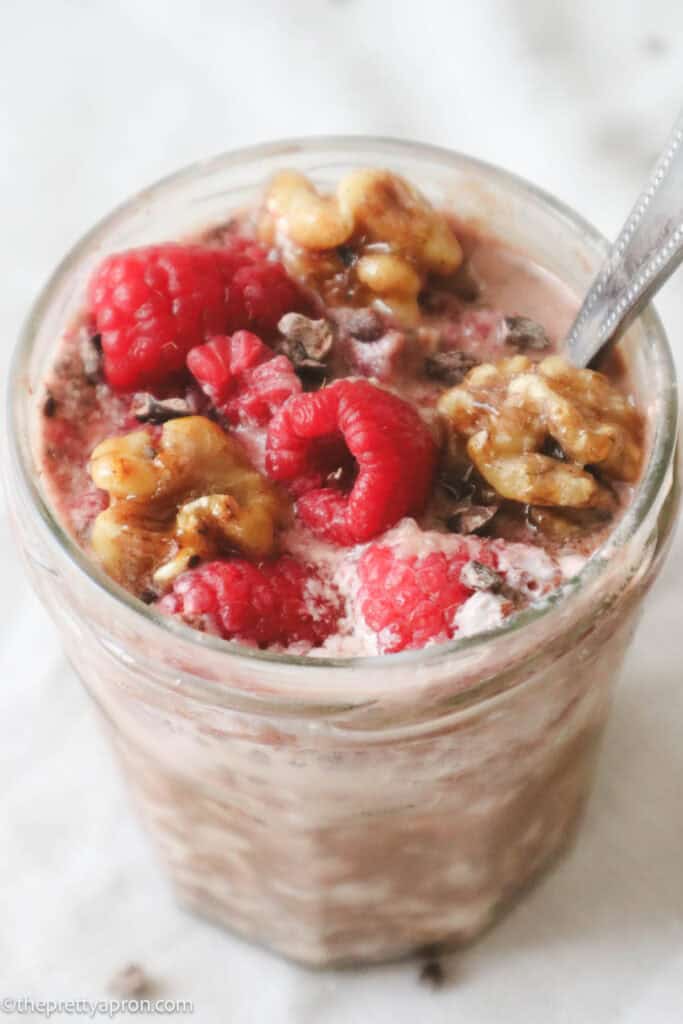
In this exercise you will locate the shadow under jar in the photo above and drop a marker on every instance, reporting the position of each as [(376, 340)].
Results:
[(350, 810)]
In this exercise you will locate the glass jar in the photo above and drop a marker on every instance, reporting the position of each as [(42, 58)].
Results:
[(347, 810)]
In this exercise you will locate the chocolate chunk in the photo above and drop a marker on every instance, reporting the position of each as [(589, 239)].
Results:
[(450, 367), (470, 518), (525, 334), (364, 324), (306, 340), (131, 982), (148, 409), (148, 596), (432, 974), (478, 576), (49, 405), (194, 560), (91, 357)]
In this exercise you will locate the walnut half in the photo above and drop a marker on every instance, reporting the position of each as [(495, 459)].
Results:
[(376, 240), (188, 496), (507, 412)]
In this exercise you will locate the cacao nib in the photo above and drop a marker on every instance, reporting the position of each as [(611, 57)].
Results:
[(525, 334), (450, 367), (148, 409)]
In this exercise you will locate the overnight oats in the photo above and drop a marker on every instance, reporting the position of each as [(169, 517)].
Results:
[(346, 552)]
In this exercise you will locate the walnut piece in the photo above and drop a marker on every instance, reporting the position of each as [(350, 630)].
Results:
[(188, 496), (506, 412), (377, 240)]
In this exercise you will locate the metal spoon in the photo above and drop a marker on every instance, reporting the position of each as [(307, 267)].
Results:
[(646, 253)]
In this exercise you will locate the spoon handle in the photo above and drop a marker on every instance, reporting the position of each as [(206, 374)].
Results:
[(646, 253)]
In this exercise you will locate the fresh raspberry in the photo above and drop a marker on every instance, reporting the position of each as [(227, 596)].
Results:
[(411, 601), (242, 377), (385, 442), (152, 305), (282, 602)]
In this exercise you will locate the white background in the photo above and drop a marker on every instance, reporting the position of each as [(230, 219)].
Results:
[(100, 98)]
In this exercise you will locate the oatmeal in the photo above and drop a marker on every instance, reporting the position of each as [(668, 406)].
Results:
[(336, 424), (357, 375)]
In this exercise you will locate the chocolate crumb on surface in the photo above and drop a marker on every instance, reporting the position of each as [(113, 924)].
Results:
[(131, 982), (525, 334), (49, 405), (432, 974), (450, 367), (148, 409)]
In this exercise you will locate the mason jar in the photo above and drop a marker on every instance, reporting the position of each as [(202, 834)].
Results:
[(351, 809)]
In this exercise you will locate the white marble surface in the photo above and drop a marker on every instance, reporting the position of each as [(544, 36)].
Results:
[(99, 98)]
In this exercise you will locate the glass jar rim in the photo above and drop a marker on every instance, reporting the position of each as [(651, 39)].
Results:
[(645, 495)]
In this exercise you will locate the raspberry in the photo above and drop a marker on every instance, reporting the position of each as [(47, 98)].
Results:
[(152, 305), (282, 602), (242, 377), (352, 426), (411, 601)]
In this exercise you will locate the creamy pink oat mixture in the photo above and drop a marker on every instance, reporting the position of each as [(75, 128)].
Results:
[(513, 504)]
